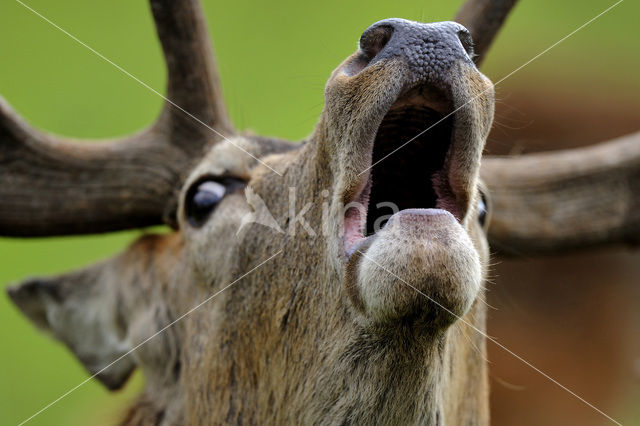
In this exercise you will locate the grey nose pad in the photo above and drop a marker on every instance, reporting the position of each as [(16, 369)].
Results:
[(428, 49)]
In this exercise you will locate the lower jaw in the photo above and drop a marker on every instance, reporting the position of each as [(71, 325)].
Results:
[(429, 252)]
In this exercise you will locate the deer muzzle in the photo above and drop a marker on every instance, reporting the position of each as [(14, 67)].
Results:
[(408, 115)]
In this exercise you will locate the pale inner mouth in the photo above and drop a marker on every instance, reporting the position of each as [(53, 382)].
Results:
[(416, 176)]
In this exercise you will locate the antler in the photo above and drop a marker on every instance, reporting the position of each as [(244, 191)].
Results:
[(54, 186), (568, 199), (484, 18), (561, 200)]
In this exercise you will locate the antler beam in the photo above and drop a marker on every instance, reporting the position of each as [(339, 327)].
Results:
[(484, 18), (55, 186), (550, 202)]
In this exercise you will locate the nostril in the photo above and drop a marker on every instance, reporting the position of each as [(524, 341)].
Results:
[(374, 39), (467, 41)]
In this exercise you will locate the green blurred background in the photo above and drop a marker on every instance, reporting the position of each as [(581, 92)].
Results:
[(274, 59)]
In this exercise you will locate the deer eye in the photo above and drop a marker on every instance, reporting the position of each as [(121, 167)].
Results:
[(203, 197), (483, 209)]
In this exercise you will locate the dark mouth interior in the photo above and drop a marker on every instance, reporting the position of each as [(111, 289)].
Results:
[(408, 177)]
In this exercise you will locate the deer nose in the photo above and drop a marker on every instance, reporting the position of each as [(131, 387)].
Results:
[(428, 49)]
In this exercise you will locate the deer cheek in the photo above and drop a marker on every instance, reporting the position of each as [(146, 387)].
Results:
[(420, 267)]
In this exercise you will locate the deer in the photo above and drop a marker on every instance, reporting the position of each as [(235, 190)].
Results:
[(335, 313)]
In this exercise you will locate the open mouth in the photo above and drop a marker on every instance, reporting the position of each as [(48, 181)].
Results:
[(411, 175)]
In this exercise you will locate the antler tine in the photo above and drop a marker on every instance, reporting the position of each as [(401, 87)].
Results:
[(194, 90), (561, 200), (484, 18), (56, 186)]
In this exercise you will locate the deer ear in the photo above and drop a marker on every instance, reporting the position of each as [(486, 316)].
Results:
[(82, 311)]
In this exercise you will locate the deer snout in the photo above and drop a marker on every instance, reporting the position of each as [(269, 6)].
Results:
[(428, 49)]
